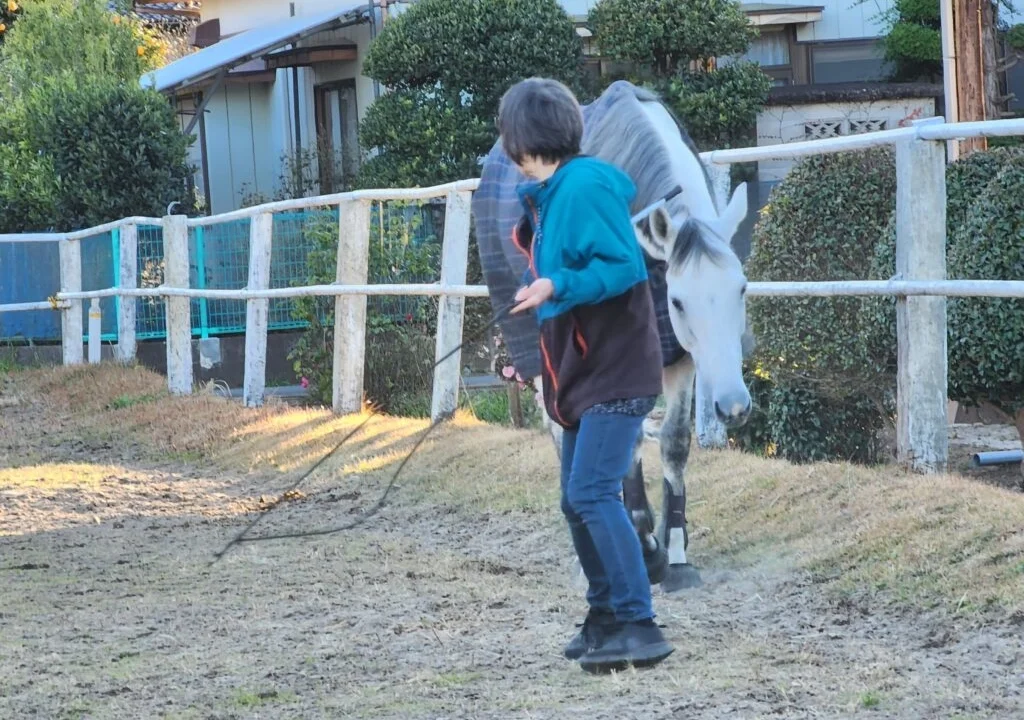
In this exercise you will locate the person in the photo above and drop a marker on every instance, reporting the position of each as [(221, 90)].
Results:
[(600, 353)]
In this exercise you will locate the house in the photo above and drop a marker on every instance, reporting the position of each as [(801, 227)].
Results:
[(271, 76)]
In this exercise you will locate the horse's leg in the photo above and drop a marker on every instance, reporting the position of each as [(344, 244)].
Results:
[(678, 380), (634, 495)]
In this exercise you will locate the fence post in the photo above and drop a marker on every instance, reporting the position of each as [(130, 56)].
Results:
[(128, 269), (454, 260), (179, 309), (70, 252), (350, 310), (922, 438), (257, 310), (95, 331), (711, 432)]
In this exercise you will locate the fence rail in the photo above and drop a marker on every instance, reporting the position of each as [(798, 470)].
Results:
[(920, 286)]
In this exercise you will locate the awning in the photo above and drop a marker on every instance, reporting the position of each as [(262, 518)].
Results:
[(246, 46), (781, 14)]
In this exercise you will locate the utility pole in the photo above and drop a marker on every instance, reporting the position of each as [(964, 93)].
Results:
[(974, 63)]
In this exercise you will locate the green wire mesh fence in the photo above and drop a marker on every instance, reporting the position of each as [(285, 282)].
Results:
[(219, 259)]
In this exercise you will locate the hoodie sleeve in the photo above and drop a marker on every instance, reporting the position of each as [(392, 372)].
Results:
[(602, 246)]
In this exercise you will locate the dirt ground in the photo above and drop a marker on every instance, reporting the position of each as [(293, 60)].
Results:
[(455, 601)]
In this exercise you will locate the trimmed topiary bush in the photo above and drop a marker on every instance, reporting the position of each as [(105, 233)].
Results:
[(828, 386), (985, 241), (448, 62), (826, 368), (986, 345), (822, 223), (666, 44)]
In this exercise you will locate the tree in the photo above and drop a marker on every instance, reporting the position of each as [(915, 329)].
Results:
[(671, 44), (447, 64), (913, 46), (75, 40), (80, 142), (115, 149)]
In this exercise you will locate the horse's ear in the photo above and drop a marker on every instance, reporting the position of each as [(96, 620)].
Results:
[(653, 234), (735, 212)]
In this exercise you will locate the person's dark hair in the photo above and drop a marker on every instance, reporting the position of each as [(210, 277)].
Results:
[(540, 117)]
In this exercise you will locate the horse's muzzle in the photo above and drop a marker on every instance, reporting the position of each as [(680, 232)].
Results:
[(733, 412)]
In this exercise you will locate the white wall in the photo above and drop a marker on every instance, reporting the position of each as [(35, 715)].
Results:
[(789, 123), (238, 124), (845, 20), (236, 16), (360, 35)]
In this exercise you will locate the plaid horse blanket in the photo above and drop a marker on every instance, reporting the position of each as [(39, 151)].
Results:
[(496, 210)]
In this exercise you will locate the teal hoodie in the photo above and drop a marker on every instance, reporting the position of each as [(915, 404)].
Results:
[(598, 335), (586, 245)]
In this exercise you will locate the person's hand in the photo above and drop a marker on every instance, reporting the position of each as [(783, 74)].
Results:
[(539, 290)]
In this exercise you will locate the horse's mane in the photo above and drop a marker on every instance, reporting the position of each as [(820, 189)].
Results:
[(619, 132)]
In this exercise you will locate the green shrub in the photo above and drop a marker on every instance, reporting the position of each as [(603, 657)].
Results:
[(822, 223), (400, 337), (80, 142), (719, 109), (9, 14), (827, 367), (28, 190), (1015, 37), (986, 344), (827, 383), (79, 39), (985, 241), (659, 39), (912, 44), (116, 149), (666, 35), (449, 62), (426, 140)]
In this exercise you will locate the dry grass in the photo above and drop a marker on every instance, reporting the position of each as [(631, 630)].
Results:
[(454, 602), (937, 542), (922, 542)]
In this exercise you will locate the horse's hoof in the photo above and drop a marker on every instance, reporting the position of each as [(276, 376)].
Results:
[(681, 577), (656, 562)]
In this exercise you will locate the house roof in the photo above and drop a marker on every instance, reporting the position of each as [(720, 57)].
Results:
[(167, 14), (243, 47), (850, 92)]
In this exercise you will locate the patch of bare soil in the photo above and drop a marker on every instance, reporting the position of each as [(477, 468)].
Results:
[(455, 601)]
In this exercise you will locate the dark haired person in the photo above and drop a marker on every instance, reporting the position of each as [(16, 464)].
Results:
[(600, 353)]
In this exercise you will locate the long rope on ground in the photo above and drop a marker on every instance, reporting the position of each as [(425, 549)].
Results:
[(375, 508)]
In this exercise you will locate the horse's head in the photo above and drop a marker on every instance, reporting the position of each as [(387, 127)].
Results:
[(706, 296)]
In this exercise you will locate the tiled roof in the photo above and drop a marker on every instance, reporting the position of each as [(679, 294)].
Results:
[(184, 13)]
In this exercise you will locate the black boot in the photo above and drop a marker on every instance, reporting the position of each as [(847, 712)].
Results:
[(592, 630), (640, 643)]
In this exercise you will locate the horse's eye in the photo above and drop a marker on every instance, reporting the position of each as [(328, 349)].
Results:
[(677, 304)]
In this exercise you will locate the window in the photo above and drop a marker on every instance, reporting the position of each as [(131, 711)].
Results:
[(337, 134), (1015, 85), (847, 62), (773, 50)]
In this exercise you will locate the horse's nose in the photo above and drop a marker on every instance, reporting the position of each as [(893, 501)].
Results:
[(733, 413)]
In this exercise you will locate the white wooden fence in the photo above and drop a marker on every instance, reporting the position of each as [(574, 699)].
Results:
[(920, 285)]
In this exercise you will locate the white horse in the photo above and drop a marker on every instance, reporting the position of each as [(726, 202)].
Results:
[(696, 278)]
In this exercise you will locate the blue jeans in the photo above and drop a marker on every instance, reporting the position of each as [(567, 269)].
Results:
[(595, 459)]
